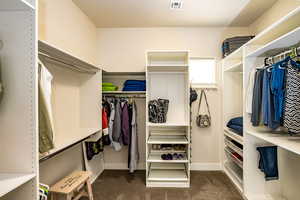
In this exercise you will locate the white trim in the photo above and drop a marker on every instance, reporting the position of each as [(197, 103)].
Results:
[(197, 166), (123, 166)]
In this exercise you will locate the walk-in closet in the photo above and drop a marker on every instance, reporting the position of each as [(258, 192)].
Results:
[(149, 100)]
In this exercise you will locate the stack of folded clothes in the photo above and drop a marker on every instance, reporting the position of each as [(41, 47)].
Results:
[(109, 87), (134, 85), (236, 125)]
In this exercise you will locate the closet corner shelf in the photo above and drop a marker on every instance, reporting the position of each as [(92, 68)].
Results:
[(156, 158), (237, 179), (166, 124), (285, 41), (234, 136), (167, 175), (58, 55), (167, 140), (238, 67), (11, 181), (237, 54), (168, 166), (283, 140)]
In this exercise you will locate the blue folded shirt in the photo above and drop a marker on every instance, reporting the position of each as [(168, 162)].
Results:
[(236, 124), (135, 82)]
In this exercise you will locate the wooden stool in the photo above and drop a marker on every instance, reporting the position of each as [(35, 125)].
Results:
[(73, 187)]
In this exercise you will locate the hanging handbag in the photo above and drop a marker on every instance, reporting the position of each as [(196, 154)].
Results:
[(203, 120)]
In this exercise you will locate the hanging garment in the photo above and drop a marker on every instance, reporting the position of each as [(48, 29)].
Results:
[(249, 94), (115, 145), (292, 98), (134, 148), (257, 98), (94, 148), (268, 102), (268, 162), (106, 140), (130, 110), (125, 123), (117, 125), (1, 85), (46, 136), (278, 81)]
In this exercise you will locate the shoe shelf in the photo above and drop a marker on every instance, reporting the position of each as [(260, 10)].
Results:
[(233, 147), (167, 140), (155, 157), (233, 158), (167, 175), (233, 135), (166, 166), (235, 173)]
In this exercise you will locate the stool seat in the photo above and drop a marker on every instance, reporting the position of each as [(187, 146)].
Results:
[(73, 183)]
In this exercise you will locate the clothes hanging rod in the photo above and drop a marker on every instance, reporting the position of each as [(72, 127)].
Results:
[(283, 54), (124, 96), (67, 65), (61, 150)]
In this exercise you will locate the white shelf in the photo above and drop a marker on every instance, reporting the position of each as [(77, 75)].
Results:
[(238, 67), (9, 182), (234, 159), (235, 176), (274, 31), (167, 140), (156, 158), (283, 140), (279, 44), (123, 92), (233, 136), (168, 166), (236, 55), (168, 151), (166, 124), (53, 54), (167, 175), (234, 147)]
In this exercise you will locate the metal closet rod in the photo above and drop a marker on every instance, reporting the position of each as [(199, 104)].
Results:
[(283, 54), (68, 65), (61, 150)]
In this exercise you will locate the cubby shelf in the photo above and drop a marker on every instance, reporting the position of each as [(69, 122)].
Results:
[(9, 181), (233, 136), (238, 67), (156, 158), (167, 140), (167, 175), (166, 124), (166, 166), (123, 92)]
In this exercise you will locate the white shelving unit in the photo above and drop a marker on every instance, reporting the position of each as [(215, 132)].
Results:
[(233, 107), (18, 109), (236, 70), (167, 78)]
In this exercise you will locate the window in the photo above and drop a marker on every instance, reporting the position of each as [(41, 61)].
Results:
[(202, 71)]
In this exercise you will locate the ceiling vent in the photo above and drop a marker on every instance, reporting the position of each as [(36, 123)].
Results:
[(176, 4)]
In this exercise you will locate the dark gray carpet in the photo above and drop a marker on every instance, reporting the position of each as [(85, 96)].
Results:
[(119, 185)]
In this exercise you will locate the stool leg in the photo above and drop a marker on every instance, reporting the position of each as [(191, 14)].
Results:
[(69, 197), (89, 189)]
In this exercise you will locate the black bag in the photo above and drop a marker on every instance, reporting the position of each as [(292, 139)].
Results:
[(203, 120), (193, 96)]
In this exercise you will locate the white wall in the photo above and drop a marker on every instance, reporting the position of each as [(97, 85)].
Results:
[(123, 50)]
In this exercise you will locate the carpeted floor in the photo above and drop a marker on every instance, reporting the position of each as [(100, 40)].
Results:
[(119, 185)]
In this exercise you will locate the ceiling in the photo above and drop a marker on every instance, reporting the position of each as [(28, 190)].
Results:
[(156, 13)]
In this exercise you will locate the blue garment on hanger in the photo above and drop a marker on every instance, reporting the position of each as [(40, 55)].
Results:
[(278, 88), (268, 102)]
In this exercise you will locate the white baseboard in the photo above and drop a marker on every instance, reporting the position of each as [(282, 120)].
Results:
[(197, 166), (122, 166)]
